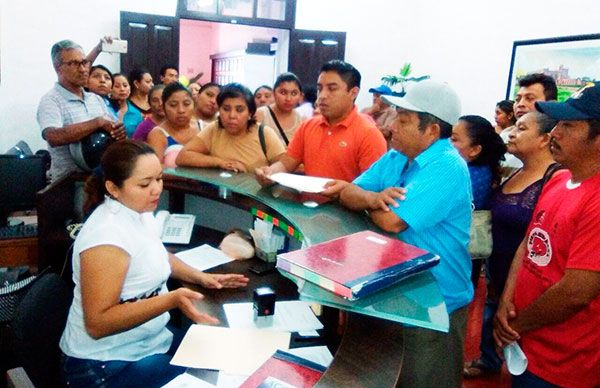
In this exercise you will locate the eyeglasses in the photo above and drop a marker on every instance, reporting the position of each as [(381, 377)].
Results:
[(74, 63)]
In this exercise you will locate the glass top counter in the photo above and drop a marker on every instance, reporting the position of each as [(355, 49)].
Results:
[(415, 301)]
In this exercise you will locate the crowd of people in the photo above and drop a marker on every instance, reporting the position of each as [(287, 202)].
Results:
[(415, 163)]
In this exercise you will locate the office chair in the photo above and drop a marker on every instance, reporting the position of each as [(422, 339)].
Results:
[(36, 329)]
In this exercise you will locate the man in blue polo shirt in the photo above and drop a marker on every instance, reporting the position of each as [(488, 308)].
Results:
[(421, 190), (67, 113)]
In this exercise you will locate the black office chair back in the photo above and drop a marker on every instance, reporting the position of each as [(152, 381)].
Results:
[(37, 327)]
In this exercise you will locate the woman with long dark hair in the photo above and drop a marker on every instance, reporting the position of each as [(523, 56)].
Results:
[(168, 138), (512, 205)]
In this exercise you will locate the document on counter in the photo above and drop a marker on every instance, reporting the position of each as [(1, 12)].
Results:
[(235, 351), (185, 380), (226, 380), (203, 257), (308, 184), (292, 316)]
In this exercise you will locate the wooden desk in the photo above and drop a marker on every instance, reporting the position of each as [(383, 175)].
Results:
[(19, 251)]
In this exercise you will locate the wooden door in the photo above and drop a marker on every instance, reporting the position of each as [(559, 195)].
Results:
[(309, 50), (153, 41)]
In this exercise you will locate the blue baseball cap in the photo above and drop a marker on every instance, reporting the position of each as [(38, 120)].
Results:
[(583, 105), (381, 89)]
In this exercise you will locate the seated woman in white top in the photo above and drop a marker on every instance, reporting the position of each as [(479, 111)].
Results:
[(281, 115), (116, 332)]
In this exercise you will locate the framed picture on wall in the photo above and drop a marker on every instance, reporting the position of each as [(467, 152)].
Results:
[(573, 61)]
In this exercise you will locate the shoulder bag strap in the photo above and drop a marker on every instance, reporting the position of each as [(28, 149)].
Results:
[(554, 167), (285, 139), (261, 138)]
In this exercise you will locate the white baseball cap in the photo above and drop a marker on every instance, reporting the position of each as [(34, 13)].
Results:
[(429, 96)]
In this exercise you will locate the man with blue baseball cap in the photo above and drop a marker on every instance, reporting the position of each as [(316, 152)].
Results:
[(421, 191), (381, 112), (551, 301)]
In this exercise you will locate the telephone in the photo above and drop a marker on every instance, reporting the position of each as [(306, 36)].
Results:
[(176, 228), (117, 46)]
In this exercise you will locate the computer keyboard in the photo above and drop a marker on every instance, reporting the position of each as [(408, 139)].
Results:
[(18, 231)]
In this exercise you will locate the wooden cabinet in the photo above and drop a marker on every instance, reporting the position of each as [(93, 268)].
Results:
[(19, 251)]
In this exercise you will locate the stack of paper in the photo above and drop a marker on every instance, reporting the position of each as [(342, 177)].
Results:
[(235, 351), (291, 316), (308, 184), (203, 257)]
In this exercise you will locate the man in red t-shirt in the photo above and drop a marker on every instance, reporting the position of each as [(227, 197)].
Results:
[(341, 143), (551, 301)]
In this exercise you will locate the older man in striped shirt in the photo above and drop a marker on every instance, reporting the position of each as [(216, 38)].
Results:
[(67, 113)]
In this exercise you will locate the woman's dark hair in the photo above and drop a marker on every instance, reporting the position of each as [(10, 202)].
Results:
[(172, 88), (310, 94), (236, 90), (287, 77), (482, 133), (506, 106), (103, 68), (544, 122), (209, 85), (262, 87), (116, 165), (137, 74)]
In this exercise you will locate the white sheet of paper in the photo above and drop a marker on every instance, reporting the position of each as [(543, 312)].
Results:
[(308, 184), (292, 316), (203, 257), (317, 354), (310, 333), (185, 380), (226, 380), (235, 351)]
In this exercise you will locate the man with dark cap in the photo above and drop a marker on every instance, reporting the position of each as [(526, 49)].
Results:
[(551, 301)]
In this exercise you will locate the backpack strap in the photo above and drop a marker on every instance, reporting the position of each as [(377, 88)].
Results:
[(281, 132)]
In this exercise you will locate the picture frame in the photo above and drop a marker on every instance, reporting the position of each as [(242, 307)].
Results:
[(573, 61)]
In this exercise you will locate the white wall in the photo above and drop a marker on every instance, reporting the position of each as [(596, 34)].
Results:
[(466, 43), (27, 31)]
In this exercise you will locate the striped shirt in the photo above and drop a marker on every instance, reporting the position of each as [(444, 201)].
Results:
[(58, 108)]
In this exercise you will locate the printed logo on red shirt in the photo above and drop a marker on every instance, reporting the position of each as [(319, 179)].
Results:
[(538, 247)]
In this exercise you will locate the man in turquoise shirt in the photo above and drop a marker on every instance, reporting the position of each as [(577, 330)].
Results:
[(421, 190)]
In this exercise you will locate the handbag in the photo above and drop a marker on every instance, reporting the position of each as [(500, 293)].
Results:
[(480, 242)]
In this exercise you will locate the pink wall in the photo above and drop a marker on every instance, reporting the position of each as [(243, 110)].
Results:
[(198, 40)]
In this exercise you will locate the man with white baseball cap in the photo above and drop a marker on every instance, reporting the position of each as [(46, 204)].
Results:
[(551, 301), (421, 190)]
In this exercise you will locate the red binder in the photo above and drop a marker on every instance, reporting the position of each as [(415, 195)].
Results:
[(285, 367), (358, 264)]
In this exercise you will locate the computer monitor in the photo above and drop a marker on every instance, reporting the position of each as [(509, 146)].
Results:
[(21, 177)]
